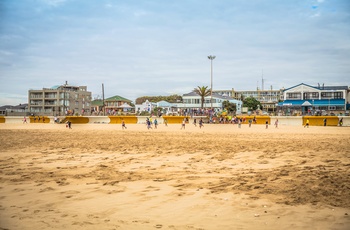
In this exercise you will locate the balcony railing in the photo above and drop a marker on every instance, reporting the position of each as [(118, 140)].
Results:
[(36, 96)]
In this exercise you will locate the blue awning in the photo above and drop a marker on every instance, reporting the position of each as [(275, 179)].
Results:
[(323, 102)]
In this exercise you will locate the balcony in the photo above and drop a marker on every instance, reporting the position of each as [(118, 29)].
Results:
[(50, 103), (36, 96)]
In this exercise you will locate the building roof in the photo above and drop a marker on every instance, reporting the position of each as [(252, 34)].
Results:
[(334, 87), (299, 85), (191, 94), (97, 102), (165, 104), (126, 106), (321, 87), (55, 87), (117, 98), (20, 106), (216, 95)]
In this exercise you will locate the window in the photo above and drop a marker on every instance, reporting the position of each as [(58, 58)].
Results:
[(50, 95), (338, 95), (312, 95), (339, 107), (293, 95), (36, 95), (326, 95)]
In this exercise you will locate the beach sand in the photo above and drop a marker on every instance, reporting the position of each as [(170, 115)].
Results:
[(98, 176)]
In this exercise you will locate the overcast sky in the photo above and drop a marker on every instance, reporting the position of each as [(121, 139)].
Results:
[(160, 47)]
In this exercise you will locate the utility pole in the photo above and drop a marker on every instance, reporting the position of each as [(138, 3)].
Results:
[(103, 99)]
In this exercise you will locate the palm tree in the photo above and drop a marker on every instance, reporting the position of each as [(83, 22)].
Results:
[(203, 92)]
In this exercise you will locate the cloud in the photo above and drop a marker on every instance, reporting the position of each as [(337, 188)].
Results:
[(12, 99), (315, 15), (54, 3)]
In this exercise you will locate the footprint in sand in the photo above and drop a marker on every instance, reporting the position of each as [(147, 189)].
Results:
[(46, 189)]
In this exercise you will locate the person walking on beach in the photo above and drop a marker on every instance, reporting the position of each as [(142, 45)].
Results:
[(149, 124), (166, 122), (276, 123), (307, 123), (201, 123), (195, 122), (151, 121), (24, 120), (341, 122), (123, 125), (254, 120), (239, 123), (69, 124), (183, 125), (267, 123), (250, 122), (325, 122), (155, 123)]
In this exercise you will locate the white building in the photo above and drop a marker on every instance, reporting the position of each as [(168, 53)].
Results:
[(268, 97), (193, 101), (306, 99), (145, 107)]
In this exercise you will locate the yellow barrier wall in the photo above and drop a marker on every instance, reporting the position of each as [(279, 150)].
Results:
[(78, 120), (318, 120), (175, 119), (2, 119), (119, 119), (99, 120)]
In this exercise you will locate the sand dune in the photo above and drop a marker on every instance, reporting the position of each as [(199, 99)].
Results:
[(218, 177)]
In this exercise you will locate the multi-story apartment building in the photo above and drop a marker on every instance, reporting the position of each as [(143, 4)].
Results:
[(59, 100), (268, 98)]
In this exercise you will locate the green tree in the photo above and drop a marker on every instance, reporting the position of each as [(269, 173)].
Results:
[(230, 107), (171, 99), (202, 92), (251, 103)]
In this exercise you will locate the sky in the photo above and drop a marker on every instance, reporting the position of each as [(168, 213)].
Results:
[(141, 48)]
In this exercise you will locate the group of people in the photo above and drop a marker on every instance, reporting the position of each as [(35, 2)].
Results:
[(200, 123), (38, 119), (152, 123)]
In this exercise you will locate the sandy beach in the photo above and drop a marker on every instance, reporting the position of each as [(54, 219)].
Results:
[(98, 176)]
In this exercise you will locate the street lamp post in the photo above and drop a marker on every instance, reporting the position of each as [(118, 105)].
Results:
[(211, 58)]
